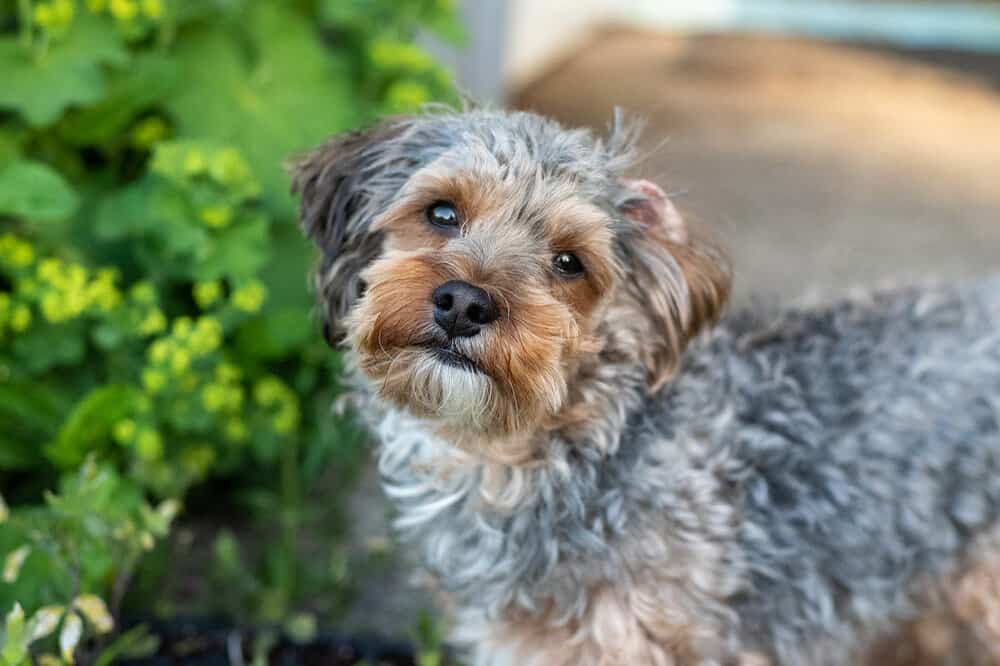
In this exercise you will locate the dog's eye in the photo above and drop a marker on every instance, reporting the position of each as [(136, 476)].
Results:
[(567, 264), (443, 214)]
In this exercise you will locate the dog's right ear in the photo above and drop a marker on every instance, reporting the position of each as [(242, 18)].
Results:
[(342, 184)]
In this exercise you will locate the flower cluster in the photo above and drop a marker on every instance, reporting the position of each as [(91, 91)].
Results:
[(130, 15), (219, 179), (55, 16), (58, 290), (281, 403)]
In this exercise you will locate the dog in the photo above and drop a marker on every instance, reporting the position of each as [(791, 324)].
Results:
[(598, 464)]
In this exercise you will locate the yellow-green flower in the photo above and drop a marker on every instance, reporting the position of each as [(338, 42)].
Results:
[(213, 397), (44, 16), (124, 10), (194, 162), (153, 323), (15, 251), (250, 297), (159, 350), (229, 168), (206, 294), (124, 431), (286, 420), (152, 8), (20, 318), (267, 391), (148, 132), (182, 328), (207, 335), (50, 271), (153, 380), (149, 445), (198, 459), (143, 292), (53, 308), (102, 291), (180, 361), (76, 276), (236, 430), (407, 95), (387, 54), (62, 12), (227, 372), (22, 254), (216, 216), (28, 287), (234, 398)]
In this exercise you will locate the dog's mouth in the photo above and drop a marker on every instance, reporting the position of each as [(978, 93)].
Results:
[(448, 355)]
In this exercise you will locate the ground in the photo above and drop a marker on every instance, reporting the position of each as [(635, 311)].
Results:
[(819, 167)]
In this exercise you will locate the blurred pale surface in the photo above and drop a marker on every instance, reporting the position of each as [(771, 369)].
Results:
[(819, 167)]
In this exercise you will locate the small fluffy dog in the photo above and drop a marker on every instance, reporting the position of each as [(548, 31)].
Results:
[(594, 470)]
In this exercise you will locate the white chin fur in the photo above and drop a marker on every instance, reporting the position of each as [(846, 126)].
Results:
[(450, 393)]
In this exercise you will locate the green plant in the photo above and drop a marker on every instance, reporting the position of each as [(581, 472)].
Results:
[(69, 556), (153, 309)]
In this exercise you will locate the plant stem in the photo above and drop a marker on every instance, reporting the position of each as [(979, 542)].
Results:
[(24, 22), (291, 505)]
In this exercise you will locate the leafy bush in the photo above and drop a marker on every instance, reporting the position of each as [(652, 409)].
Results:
[(154, 315)]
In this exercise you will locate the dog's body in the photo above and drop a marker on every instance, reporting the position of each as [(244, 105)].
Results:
[(784, 490)]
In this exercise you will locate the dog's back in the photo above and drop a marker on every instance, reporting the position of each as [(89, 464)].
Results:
[(865, 449)]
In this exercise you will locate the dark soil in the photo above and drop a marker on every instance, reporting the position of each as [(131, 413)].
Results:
[(212, 643)]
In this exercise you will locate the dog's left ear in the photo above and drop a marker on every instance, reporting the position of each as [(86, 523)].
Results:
[(342, 184), (682, 284)]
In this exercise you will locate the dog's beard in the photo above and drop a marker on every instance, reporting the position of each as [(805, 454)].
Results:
[(431, 384), (503, 381), (466, 391)]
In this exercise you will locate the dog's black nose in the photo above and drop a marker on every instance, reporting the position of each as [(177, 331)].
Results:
[(461, 309)]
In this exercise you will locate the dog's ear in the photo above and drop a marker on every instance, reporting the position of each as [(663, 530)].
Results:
[(341, 184), (682, 284)]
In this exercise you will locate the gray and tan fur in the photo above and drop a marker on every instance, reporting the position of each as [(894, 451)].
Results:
[(612, 477)]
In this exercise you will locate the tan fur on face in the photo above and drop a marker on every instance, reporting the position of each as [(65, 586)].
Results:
[(550, 327), (505, 245)]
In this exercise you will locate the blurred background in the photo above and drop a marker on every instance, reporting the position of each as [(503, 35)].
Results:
[(176, 482)]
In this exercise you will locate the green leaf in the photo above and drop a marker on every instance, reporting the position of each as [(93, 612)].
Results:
[(29, 414), (88, 426), (70, 73), (136, 643), (289, 94), (149, 79), (276, 334), (47, 346), (125, 213), (34, 191), (11, 140), (236, 252), (286, 273)]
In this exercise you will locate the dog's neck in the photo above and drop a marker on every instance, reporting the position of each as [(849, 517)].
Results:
[(496, 469), (500, 537)]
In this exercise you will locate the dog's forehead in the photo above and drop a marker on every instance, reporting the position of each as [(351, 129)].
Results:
[(520, 145)]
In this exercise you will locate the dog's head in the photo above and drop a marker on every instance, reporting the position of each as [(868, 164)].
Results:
[(480, 264)]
